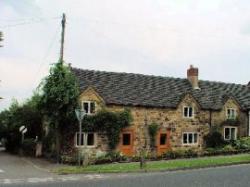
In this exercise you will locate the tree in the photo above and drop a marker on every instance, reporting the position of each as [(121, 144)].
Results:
[(60, 92), (18, 115), (1, 38)]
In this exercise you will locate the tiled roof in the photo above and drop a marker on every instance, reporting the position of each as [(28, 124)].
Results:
[(156, 91)]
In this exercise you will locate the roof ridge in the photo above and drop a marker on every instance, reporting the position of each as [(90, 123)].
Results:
[(159, 76), (128, 73)]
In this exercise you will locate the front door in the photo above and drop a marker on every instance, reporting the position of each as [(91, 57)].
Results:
[(126, 142), (163, 141)]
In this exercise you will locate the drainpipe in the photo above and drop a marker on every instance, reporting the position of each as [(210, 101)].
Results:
[(249, 123), (210, 118)]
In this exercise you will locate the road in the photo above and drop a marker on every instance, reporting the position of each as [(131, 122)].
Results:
[(16, 171)]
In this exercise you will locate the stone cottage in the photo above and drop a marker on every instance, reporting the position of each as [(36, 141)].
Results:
[(184, 109)]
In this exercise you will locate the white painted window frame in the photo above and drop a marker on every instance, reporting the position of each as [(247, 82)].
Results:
[(229, 116), (193, 143), (230, 132), (183, 112), (85, 138), (89, 106)]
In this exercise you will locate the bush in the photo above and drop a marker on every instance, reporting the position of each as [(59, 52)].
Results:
[(214, 139), (190, 153), (152, 130), (243, 143), (13, 142), (173, 154), (111, 157), (29, 147), (228, 148)]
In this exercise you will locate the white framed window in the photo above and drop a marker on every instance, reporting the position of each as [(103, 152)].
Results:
[(230, 133), (231, 113), (87, 139), (188, 112), (88, 107), (189, 138)]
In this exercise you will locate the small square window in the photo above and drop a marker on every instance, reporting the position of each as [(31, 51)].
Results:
[(189, 138), (163, 139), (188, 112), (126, 139), (230, 133), (231, 113), (89, 107), (90, 137)]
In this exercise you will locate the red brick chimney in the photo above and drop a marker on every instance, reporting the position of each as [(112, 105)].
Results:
[(193, 77)]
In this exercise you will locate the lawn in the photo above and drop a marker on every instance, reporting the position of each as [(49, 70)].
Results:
[(159, 165)]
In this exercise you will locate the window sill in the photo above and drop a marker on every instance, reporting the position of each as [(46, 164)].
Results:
[(88, 147), (190, 145)]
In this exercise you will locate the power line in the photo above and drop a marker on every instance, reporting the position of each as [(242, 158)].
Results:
[(50, 46), (29, 22)]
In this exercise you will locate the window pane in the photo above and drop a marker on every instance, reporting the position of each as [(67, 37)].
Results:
[(126, 139), (92, 107), (190, 112), (228, 113), (233, 134), (86, 107), (77, 139), (185, 111), (190, 138), (163, 139), (185, 138), (227, 133), (90, 139), (195, 137)]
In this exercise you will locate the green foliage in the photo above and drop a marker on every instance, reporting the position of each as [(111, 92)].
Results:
[(60, 91), (243, 143), (109, 122), (111, 157), (1, 38), (152, 130), (173, 154), (180, 153), (15, 117), (214, 139)]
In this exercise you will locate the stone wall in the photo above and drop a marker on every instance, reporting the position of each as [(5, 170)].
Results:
[(168, 119)]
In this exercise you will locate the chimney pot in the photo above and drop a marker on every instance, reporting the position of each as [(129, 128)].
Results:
[(193, 76)]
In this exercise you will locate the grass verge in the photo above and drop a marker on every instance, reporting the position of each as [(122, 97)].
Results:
[(158, 165)]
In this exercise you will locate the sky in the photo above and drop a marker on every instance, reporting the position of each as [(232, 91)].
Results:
[(156, 37)]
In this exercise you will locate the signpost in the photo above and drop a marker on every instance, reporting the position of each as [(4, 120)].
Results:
[(80, 115), (23, 130)]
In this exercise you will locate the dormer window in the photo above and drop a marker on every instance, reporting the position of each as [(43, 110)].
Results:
[(88, 107), (188, 112), (231, 113)]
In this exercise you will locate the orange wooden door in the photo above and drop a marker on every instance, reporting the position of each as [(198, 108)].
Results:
[(163, 141), (126, 142)]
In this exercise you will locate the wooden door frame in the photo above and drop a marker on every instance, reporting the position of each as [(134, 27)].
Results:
[(128, 147), (164, 147)]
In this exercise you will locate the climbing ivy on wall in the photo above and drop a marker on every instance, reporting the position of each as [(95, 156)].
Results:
[(109, 122), (152, 130)]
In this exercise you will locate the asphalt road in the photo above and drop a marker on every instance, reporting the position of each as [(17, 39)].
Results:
[(14, 171)]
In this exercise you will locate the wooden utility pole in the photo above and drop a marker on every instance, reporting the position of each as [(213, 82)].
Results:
[(62, 38)]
